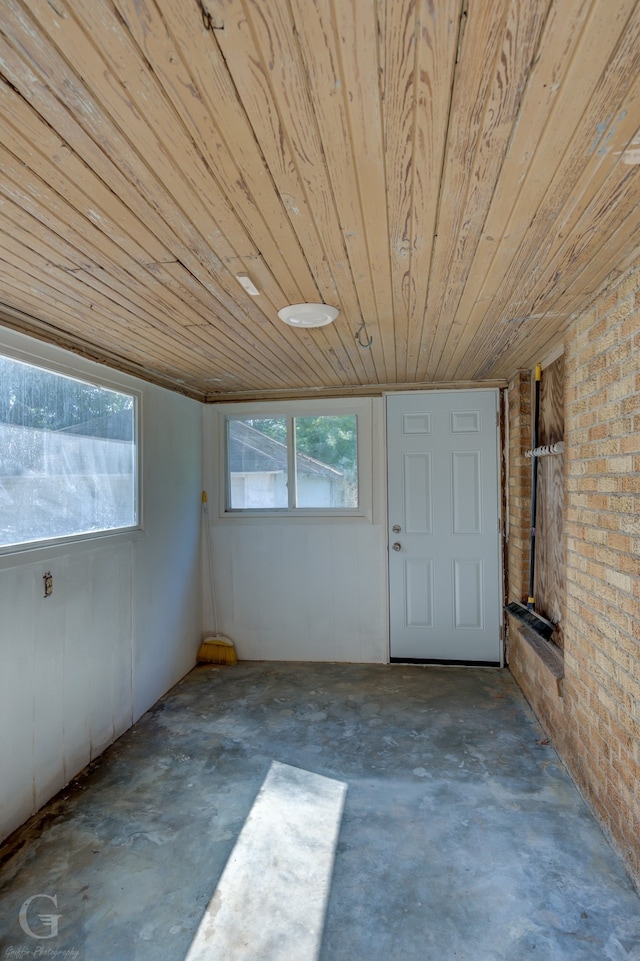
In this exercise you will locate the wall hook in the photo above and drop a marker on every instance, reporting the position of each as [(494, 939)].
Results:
[(362, 332)]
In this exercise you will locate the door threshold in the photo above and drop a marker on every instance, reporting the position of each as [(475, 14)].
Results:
[(442, 661)]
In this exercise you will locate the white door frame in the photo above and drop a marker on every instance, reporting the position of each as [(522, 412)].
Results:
[(501, 441)]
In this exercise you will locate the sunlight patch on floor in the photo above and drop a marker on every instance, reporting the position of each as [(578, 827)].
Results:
[(271, 900)]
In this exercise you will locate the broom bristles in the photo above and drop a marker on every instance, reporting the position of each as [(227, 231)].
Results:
[(217, 650)]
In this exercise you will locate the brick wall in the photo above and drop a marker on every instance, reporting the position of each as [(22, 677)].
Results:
[(596, 724)]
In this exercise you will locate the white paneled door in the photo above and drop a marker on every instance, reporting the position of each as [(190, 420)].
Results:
[(444, 539)]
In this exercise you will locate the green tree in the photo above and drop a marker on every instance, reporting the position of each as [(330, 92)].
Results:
[(330, 439), (34, 397)]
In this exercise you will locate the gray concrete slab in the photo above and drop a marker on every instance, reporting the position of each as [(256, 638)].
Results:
[(462, 837)]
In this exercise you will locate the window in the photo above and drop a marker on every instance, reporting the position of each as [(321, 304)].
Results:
[(68, 456), (296, 459)]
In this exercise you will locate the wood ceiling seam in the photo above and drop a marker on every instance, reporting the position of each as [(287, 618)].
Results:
[(222, 223), (418, 307), (148, 211), (417, 66), (34, 84), (215, 226), (299, 265), (395, 46), (363, 390), (177, 371), (65, 304), (81, 244), (251, 121)]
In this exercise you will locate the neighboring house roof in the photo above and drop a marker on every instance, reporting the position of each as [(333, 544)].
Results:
[(253, 451), (115, 426)]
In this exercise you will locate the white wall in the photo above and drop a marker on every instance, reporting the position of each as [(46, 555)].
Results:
[(299, 588), (124, 621)]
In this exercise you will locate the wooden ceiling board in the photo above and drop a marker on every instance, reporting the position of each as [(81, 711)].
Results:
[(138, 300), (286, 127), (459, 176), (556, 186), (419, 54), (227, 298), (320, 61), (485, 104), (525, 174), (95, 303), (180, 310), (199, 118), (130, 306), (532, 338)]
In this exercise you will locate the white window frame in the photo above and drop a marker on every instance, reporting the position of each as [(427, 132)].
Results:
[(334, 407), (54, 366)]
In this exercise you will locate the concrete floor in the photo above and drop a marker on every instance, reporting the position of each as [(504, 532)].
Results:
[(461, 837)]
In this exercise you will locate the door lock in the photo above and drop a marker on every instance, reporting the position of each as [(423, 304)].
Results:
[(396, 528), (397, 546)]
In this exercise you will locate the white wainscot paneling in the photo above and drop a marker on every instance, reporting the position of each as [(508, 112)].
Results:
[(48, 684), (16, 697), (302, 591), (66, 677), (109, 643)]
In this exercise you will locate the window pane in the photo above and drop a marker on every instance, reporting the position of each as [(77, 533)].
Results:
[(257, 452), (68, 460), (326, 461)]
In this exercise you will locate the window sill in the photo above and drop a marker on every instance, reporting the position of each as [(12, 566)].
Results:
[(302, 515), (549, 654), (40, 551)]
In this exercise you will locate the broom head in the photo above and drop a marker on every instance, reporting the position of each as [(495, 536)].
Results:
[(217, 650)]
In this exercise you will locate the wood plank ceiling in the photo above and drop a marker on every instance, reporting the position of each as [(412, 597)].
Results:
[(460, 175)]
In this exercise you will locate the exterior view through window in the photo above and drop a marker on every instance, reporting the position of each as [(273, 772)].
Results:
[(280, 463), (68, 461)]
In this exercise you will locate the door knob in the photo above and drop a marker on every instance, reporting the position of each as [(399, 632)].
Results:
[(396, 528), (396, 546)]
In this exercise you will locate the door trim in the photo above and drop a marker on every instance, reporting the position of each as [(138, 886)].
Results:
[(501, 494)]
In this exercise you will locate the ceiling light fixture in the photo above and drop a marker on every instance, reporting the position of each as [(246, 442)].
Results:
[(248, 284), (308, 315)]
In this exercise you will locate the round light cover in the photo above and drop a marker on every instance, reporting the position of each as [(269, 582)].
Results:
[(308, 315)]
